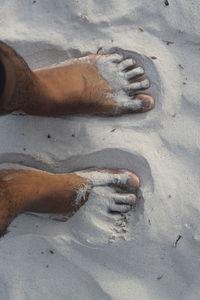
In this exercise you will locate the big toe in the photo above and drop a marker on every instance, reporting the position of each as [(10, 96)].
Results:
[(138, 104)]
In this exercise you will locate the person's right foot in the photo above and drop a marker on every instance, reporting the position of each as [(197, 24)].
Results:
[(125, 180), (62, 193)]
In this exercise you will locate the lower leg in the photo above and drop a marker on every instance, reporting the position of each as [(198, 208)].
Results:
[(20, 88)]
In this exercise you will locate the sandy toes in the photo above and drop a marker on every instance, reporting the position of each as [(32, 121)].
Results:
[(125, 78), (118, 201)]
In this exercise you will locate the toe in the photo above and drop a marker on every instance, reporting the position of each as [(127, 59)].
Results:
[(129, 106), (133, 181), (129, 199), (126, 179), (147, 102), (140, 103), (126, 64), (117, 58), (139, 71), (122, 178), (119, 208), (138, 85)]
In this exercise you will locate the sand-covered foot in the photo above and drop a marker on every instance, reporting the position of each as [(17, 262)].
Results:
[(61, 193), (95, 84), (103, 84), (121, 181), (100, 84), (127, 83)]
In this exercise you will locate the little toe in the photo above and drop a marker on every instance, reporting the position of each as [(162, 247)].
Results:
[(119, 208), (116, 58), (129, 199), (126, 64)]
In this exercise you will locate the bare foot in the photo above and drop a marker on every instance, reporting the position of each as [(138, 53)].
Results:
[(104, 84), (123, 179), (43, 192)]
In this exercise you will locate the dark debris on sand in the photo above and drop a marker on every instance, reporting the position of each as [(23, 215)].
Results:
[(176, 241), (168, 42), (160, 277), (99, 49), (153, 57)]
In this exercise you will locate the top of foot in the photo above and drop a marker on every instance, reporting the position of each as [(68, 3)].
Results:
[(103, 84), (125, 84)]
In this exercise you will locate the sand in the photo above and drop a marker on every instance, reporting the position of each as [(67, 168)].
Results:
[(96, 255)]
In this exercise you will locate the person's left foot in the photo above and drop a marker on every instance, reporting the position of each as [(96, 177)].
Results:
[(103, 84)]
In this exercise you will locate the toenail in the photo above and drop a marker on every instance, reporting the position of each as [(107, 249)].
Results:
[(132, 199), (146, 103), (145, 83), (133, 181)]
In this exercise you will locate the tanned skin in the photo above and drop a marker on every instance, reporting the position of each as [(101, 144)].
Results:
[(37, 191), (43, 192), (72, 89)]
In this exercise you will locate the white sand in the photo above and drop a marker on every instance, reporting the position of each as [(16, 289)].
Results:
[(95, 255)]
